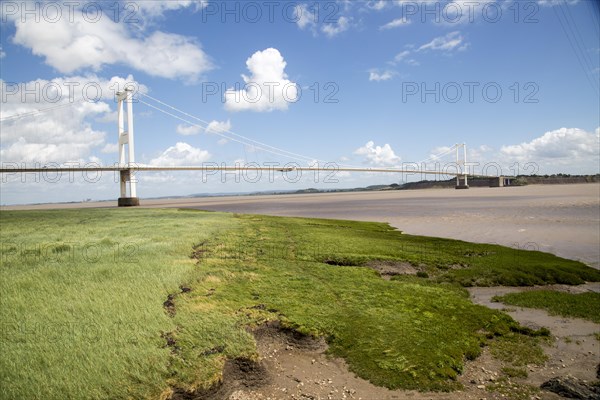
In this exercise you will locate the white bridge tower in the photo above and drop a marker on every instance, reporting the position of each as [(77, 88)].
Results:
[(461, 165), (126, 159)]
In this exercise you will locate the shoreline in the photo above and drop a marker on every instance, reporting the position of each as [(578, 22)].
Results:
[(559, 219), (172, 201)]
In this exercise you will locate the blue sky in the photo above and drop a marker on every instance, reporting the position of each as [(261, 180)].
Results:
[(361, 68)]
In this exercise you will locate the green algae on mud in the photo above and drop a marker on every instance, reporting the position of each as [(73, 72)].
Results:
[(575, 305)]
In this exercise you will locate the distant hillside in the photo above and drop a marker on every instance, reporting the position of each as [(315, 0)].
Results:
[(520, 180), (558, 179)]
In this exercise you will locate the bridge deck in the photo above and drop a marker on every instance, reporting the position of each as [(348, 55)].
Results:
[(142, 168)]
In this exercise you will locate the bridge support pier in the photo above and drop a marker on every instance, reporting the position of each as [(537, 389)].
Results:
[(124, 200), (128, 201), (461, 183), (497, 182)]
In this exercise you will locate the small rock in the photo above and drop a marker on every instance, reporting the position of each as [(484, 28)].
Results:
[(571, 387)]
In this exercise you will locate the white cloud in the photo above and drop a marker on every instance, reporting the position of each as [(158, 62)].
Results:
[(305, 17), (334, 29), (466, 11), (479, 150), (218, 127), (45, 153), (566, 144), (169, 55), (436, 151), (449, 42), (62, 132), (110, 148), (395, 23), (71, 46), (564, 150), (181, 154), (188, 130), (89, 92), (375, 75), (382, 156), (267, 88), (377, 5), (156, 8), (549, 3), (2, 53), (421, 2), (402, 55), (213, 127)]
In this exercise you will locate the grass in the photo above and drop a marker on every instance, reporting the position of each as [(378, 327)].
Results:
[(82, 298), (518, 350), (512, 372), (82, 294), (513, 391), (582, 305)]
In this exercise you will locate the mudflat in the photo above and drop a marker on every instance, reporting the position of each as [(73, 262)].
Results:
[(560, 219)]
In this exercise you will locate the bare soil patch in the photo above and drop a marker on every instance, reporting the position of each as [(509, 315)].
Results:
[(169, 305), (385, 268), (388, 268), (238, 374)]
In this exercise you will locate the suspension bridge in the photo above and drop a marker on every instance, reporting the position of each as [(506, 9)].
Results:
[(127, 166)]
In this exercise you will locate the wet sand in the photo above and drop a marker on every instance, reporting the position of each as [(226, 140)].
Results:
[(560, 219)]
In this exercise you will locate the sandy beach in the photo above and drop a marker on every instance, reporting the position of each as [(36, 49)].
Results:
[(560, 219)]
